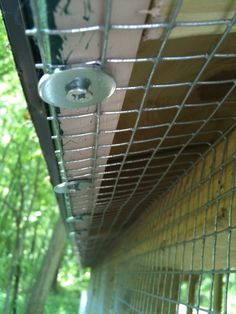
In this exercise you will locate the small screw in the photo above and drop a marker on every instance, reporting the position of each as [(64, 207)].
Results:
[(73, 186), (78, 90), (78, 218)]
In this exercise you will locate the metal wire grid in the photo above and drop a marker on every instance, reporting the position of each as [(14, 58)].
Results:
[(180, 258), (114, 202)]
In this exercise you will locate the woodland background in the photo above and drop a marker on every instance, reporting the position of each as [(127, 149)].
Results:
[(28, 211)]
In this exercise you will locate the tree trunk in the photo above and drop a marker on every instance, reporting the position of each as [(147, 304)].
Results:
[(47, 272), (54, 287)]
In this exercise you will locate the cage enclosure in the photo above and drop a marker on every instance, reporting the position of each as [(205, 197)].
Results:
[(139, 138)]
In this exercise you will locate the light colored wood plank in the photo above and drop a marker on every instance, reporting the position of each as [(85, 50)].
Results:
[(79, 48), (202, 10), (175, 231)]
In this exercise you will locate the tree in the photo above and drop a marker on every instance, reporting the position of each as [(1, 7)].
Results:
[(28, 210), (27, 202), (47, 271)]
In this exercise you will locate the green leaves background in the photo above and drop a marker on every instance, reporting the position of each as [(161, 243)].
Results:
[(28, 208)]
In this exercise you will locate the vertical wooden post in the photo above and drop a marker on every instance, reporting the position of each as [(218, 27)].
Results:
[(218, 285), (191, 291)]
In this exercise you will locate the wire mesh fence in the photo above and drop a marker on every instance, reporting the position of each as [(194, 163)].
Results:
[(180, 256), (174, 101), (154, 139)]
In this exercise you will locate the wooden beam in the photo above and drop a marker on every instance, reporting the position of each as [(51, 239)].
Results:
[(202, 10)]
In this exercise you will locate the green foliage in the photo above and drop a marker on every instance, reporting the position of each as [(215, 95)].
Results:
[(28, 207), (204, 291), (75, 279), (64, 302), (7, 66)]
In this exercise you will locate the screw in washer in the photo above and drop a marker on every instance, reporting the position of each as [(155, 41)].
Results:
[(78, 90)]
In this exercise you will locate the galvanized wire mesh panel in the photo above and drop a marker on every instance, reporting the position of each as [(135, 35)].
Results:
[(135, 151), (175, 98), (180, 257)]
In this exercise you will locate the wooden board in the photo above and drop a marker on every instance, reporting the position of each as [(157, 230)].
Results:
[(178, 230), (172, 72), (191, 11), (79, 48)]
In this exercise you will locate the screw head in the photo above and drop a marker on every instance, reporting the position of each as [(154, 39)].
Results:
[(81, 185), (76, 87), (78, 90)]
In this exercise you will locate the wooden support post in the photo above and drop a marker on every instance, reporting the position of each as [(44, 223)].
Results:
[(174, 293), (191, 291), (218, 285)]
